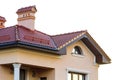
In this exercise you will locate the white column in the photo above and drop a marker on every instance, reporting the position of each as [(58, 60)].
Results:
[(16, 71)]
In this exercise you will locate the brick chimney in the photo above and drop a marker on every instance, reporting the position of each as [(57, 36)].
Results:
[(2, 22), (26, 17)]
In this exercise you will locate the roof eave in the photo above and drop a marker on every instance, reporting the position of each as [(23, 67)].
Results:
[(31, 46), (101, 56)]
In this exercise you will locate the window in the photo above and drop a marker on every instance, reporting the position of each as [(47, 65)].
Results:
[(22, 74), (76, 76), (43, 78), (77, 50)]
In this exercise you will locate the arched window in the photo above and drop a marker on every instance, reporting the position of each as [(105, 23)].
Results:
[(77, 50)]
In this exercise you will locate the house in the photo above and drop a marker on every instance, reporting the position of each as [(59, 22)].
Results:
[(28, 54)]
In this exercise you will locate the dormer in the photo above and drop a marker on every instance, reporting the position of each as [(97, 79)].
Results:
[(2, 22), (26, 17)]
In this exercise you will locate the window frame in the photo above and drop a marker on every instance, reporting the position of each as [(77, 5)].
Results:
[(23, 75), (77, 75), (84, 72), (78, 54)]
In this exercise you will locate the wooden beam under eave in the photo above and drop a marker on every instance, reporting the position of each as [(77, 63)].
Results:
[(92, 48)]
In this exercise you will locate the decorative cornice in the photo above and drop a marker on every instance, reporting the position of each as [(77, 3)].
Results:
[(26, 18)]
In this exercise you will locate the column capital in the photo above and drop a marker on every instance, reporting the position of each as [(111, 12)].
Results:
[(16, 65)]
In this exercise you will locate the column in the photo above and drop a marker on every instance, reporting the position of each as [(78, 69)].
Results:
[(16, 71)]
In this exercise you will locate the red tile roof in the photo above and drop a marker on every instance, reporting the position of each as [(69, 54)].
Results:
[(25, 9), (66, 38), (35, 37), (7, 34), (19, 35), (2, 19)]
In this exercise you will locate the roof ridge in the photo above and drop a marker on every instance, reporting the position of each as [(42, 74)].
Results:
[(35, 31), (68, 33), (6, 27), (23, 27), (32, 30), (17, 33)]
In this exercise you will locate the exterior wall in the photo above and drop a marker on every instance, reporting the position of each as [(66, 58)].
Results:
[(61, 64), (27, 19), (29, 75), (50, 74), (5, 73), (29, 23), (83, 64), (8, 56), (25, 14)]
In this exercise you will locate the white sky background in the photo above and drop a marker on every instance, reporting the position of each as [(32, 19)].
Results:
[(100, 17)]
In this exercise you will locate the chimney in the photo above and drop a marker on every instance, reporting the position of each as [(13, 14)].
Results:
[(2, 22), (26, 17)]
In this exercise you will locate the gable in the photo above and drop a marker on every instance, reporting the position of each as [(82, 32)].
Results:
[(86, 56), (84, 36)]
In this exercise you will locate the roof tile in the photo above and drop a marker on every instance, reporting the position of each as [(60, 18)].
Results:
[(64, 38), (7, 34), (25, 9), (35, 39), (2, 18), (20, 33)]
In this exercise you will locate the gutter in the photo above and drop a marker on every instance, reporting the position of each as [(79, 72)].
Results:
[(30, 46)]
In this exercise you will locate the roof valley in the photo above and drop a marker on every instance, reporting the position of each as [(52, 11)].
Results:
[(54, 42)]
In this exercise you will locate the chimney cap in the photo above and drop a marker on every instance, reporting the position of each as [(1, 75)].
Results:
[(2, 19), (26, 9)]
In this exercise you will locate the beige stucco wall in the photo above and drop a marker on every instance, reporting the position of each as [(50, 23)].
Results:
[(5, 73), (28, 23), (50, 74), (60, 64)]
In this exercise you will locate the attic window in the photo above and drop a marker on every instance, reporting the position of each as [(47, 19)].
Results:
[(77, 50)]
